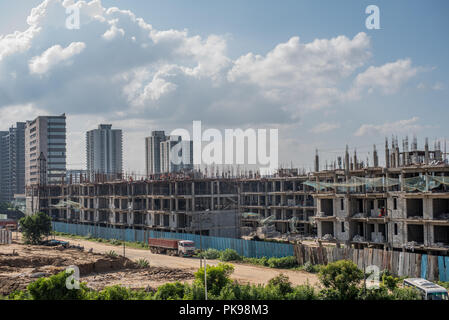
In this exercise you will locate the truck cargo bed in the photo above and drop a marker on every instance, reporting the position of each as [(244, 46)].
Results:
[(163, 243)]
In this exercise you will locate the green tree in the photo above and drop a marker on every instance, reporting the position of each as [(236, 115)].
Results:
[(170, 291), (341, 279), (55, 288), (217, 277), (34, 227), (281, 285), (118, 292), (406, 293), (230, 255)]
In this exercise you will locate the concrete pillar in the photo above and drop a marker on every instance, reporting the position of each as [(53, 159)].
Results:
[(212, 195)]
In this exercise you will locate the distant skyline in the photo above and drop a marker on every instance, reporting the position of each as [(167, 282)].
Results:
[(309, 68)]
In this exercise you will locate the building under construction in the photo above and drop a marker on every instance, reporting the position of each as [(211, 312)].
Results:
[(403, 204), (181, 204)]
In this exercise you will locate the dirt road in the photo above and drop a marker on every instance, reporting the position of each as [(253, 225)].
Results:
[(243, 273)]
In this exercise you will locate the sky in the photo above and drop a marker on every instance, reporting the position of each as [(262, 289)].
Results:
[(311, 69)]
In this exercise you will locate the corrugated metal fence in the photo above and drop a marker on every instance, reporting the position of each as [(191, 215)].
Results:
[(247, 248), (5, 236), (403, 264)]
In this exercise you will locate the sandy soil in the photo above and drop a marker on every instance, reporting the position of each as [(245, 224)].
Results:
[(22, 264)]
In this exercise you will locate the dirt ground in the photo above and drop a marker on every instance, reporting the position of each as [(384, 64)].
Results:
[(21, 264)]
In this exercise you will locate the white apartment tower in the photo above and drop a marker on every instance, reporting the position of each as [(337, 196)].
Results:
[(104, 152)]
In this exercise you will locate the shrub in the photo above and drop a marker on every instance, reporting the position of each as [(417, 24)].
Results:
[(281, 285), (284, 263), (210, 254), (111, 254), (170, 291), (20, 295), (342, 278), (311, 268), (302, 292), (35, 227), (113, 293), (230, 255), (380, 293), (55, 288), (390, 282), (118, 292), (194, 292), (143, 263), (406, 293), (115, 242), (217, 277)]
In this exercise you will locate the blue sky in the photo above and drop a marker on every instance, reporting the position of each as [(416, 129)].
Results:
[(413, 30)]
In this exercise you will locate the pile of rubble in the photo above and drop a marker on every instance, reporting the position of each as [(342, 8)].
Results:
[(267, 232), (327, 237), (358, 238), (411, 245)]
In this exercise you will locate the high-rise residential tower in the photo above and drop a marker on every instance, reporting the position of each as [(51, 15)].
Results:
[(104, 152), (153, 152), (45, 145), (12, 162)]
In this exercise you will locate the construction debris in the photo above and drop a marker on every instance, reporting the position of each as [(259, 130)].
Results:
[(327, 237)]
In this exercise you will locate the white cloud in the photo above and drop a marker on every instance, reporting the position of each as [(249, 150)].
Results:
[(325, 127), (53, 56), (387, 78), (401, 126), (118, 67), (16, 42), (113, 32), (18, 113)]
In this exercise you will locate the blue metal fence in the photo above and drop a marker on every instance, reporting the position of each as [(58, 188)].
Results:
[(247, 248)]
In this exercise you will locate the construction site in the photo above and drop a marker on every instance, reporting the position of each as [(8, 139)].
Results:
[(402, 205), (182, 204)]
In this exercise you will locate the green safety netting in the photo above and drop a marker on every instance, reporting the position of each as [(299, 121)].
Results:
[(355, 182), (441, 180), (250, 215), (420, 183), (415, 183)]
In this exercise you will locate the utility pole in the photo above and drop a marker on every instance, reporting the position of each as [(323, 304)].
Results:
[(364, 272), (205, 278), (205, 264), (124, 242)]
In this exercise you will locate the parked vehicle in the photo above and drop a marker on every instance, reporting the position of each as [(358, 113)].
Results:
[(428, 290), (53, 243), (9, 224), (172, 246)]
